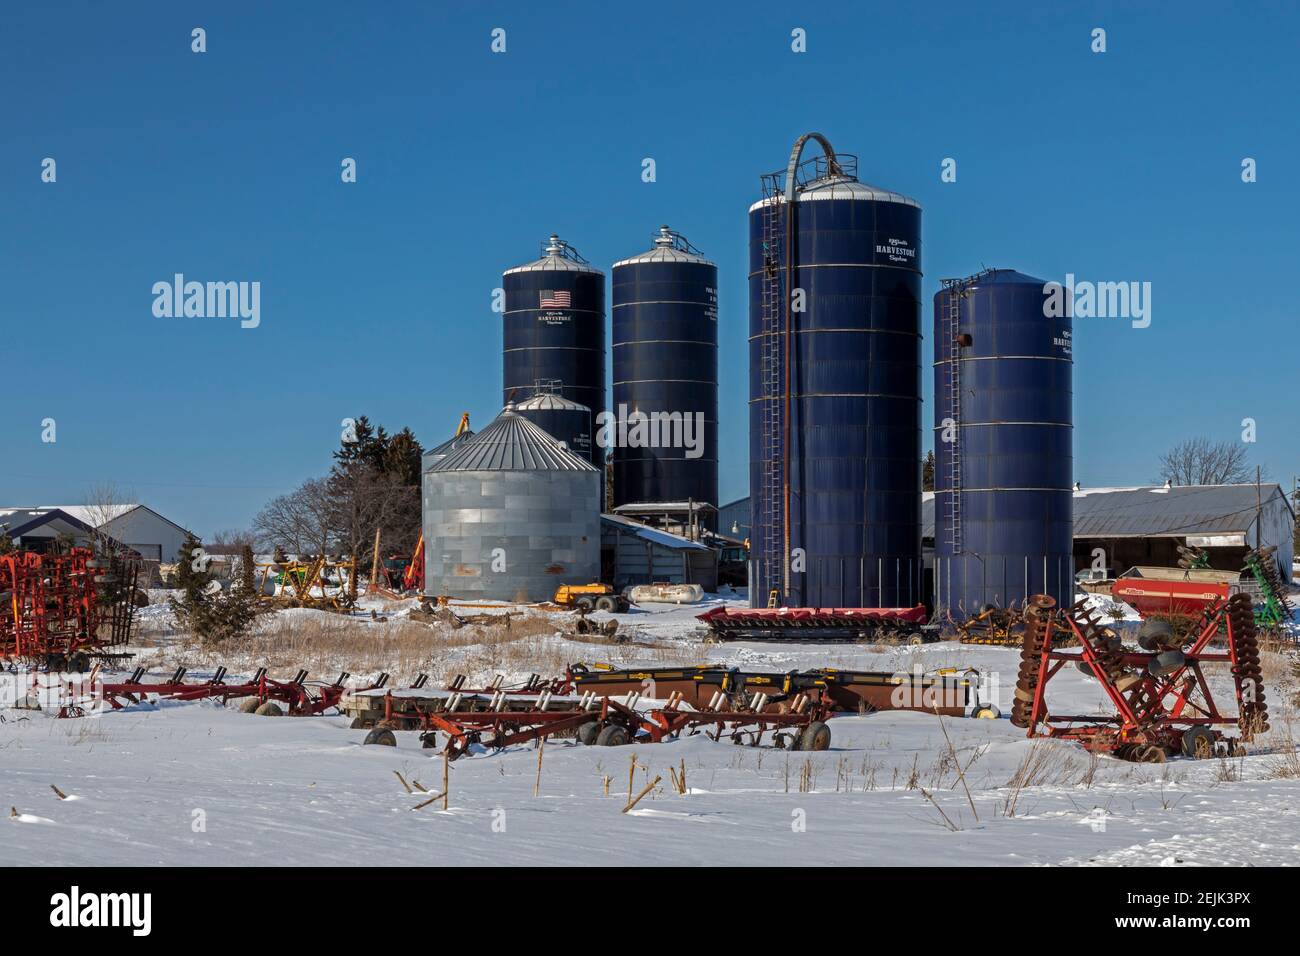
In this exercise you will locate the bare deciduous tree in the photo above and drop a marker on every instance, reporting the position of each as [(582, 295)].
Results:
[(231, 541), (298, 522), (1199, 461), (103, 502)]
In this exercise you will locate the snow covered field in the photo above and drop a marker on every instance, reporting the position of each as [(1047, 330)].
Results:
[(198, 783)]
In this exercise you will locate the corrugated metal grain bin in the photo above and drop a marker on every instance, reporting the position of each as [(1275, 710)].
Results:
[(510, 516)]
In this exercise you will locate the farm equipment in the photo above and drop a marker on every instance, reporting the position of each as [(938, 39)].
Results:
[(908, 625), (948, 692), (1174, 593), (586, 598), (1160, 693), (501, 719), (1274, 608), (319, 583), (1197, 559), (61, 609), (261, 694), (1000, 627)]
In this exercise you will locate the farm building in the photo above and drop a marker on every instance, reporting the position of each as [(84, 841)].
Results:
[(1145, 525), (137, 526), (35, 529), (633, 553)]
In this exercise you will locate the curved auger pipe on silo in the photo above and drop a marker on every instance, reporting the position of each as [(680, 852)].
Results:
[(665, 359), (1003, 444), (554, 330), (835, 388)]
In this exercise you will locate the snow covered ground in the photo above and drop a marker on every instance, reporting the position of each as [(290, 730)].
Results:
[(198, 783)]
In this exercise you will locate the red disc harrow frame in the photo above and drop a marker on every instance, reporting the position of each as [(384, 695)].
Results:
[(1162, 698)]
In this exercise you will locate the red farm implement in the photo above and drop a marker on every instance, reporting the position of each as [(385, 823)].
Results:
[(820, 624), (59, 610), (500, 718), (1160, 692), (298, 697), (1174, 593)]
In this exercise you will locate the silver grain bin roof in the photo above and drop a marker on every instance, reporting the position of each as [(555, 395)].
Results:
[(512, 443)]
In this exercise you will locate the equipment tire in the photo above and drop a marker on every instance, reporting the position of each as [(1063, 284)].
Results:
[(269, 709), (613, 735), (381, 736), (588, 732), (816, 736)]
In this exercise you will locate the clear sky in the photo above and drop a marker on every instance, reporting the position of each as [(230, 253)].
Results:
[(376, 295)]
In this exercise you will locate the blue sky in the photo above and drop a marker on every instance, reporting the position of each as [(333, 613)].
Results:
[(376, 296)]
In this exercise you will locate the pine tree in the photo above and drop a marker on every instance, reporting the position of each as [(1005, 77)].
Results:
[(927, 472)]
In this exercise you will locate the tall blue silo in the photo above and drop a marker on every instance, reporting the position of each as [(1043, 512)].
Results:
[(665, 358), (562, 418), (1003, 444), (554, 331), (835, 441)]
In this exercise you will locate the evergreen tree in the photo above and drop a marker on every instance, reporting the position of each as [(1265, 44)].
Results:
[(927, 472)]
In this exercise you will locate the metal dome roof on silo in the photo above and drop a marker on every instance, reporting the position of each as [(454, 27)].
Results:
[(557, 256), (668, 246), (842, 187), (550, 401), (1008, 277), (512, 443), (451, 444)]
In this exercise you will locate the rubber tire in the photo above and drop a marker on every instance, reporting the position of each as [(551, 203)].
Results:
[(606, 603), (915, 640), (816, 736), (1165, 663), (588, 732), (1190, 746), (249, 705), (584, 604), (613, 735), (1153, 634), (1150, 754), (382, 737), (985, 712), (269, 709)]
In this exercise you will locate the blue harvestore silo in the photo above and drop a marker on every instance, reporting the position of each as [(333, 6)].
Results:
[(665, 357), (835, 388), (1003, 444), (561, 418), (554, 331)]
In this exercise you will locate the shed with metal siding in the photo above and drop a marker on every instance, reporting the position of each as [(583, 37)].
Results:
[(635, 553)]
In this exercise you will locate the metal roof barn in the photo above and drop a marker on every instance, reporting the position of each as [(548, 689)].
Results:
[(510, 515)]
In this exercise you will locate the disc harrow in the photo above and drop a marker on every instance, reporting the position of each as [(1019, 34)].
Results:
[(1161, 696)]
